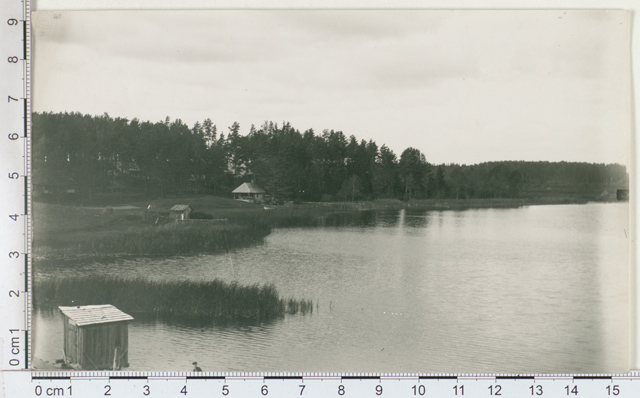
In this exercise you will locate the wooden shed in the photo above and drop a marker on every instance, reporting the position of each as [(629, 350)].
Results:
[(96, 337), (180, 212)]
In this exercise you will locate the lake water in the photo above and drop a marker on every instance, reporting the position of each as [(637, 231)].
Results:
[(534, 289)]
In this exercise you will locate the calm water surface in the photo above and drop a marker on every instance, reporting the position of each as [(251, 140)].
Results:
[(534, 289)]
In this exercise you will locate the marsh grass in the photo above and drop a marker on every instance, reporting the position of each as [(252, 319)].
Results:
[(214, 300), (178, 238)]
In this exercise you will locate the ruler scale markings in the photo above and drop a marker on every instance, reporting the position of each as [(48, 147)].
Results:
[(581, 377), (360, 377), (27, 168), (128, 377), (427, 377), (51, 377), (474, 387), (26, 197), (205, 377), (25, 116), (26, 349), (24, 39), (517, 377), (282, 377)]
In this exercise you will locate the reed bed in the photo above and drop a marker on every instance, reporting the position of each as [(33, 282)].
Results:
[(213, 300), (181, 238)]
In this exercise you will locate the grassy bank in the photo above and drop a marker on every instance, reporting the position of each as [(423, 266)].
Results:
[(214, 300), (179, 238), (168, 239), (79, 231)]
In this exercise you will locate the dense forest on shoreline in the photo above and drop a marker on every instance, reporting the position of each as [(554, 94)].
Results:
[(91, 155)]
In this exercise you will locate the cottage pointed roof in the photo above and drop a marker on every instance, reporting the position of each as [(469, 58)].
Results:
[(248, 187), (95, 314), (179, 208)]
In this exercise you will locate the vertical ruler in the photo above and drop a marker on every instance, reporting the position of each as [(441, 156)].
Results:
[(14, 183)]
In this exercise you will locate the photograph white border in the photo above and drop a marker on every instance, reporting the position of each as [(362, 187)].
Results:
[(41, 5)]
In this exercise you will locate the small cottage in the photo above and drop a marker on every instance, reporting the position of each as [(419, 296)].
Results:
[(249, 192), (96, 337), (180, 212)]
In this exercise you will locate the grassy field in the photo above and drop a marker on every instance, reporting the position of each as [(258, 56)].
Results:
[(214, 300), (73, 230)]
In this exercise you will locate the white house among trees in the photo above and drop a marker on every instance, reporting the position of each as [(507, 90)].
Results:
[(249, 192)]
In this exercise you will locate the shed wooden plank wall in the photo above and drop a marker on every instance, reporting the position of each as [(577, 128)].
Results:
[(98, 344)]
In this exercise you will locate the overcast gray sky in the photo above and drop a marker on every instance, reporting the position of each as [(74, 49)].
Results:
[(461, 86)]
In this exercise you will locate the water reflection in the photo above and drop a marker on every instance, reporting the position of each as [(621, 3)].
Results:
[(535, 289)]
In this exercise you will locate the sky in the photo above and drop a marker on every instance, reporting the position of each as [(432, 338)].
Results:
[(461, 86)]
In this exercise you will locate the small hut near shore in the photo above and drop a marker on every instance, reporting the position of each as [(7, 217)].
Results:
[(180, 212), (96, 337), (249, 192)]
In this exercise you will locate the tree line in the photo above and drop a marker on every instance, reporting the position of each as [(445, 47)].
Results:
[(101, 154)]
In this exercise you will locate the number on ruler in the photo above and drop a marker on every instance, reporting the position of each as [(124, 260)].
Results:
[(459, 389), (12, 21), (12, 60), (536, 389), (573, 390), (11, 98), (13, 136), (495, 390), (419, 389), (615, 390)]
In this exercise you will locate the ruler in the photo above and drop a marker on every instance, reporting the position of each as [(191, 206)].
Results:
[(15, 237), (14, 183), (134, 384)]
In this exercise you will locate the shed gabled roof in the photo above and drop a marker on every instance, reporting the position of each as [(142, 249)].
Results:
[(248, 187), (180, 208), (95, 314)]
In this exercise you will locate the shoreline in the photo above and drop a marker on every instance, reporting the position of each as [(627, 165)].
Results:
[(119, 237)]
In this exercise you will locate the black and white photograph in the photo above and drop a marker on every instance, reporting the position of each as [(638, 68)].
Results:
[(434, 191)]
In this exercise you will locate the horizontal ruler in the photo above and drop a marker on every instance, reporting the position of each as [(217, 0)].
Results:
[(137, 384)]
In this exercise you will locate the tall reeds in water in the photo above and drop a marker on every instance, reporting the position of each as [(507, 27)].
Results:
[(214, 300)]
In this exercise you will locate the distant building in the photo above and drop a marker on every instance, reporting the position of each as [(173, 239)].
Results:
[(180, 212), (622, 194), (54, 186), (96, 337), (249, 192)]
